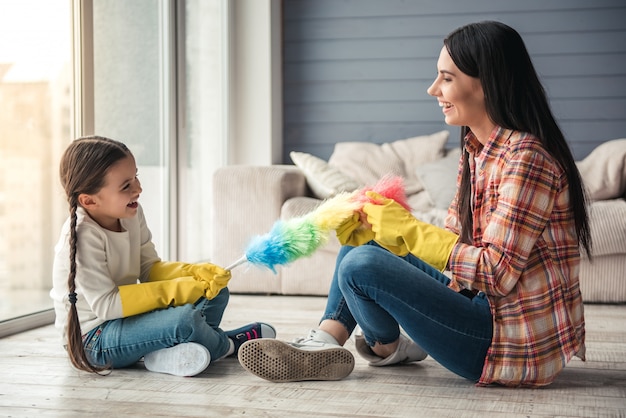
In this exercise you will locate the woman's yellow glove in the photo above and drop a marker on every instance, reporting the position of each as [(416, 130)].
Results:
[(352, 232), (213, 277), (396, 229)]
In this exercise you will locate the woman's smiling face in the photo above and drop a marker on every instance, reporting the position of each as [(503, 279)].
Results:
[(460, 96)]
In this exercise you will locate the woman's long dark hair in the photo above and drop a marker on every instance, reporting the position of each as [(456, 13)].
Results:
[(515, 99), (83, 168)]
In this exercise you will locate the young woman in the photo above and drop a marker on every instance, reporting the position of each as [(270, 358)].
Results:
[(115, 300), (512, 312)]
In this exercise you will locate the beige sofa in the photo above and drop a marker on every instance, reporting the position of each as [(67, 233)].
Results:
[(249, 200)]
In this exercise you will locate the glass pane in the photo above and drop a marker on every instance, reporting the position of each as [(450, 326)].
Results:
[(127, 95), (35, 116), (203, 132)]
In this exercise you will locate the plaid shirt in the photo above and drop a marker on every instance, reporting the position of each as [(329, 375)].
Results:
[(525, 258)]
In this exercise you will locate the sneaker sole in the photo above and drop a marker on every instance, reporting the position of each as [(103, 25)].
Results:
[(278, 361), (188, 359)]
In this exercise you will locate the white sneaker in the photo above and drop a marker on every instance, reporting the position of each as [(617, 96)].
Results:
[(315, 357), (315, 338), (407, 352), (186, 359)]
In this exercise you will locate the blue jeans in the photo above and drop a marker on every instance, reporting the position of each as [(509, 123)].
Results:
[(382, 292), (122, 342)]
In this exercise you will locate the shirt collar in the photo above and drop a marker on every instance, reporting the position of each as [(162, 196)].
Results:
[(497, 136)]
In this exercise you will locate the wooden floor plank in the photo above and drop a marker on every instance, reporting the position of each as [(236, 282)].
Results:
[(37, 380)]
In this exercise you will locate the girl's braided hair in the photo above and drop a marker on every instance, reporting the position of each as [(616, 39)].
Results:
[(83, 168)]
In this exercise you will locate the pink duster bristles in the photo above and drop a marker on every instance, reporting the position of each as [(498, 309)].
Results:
[(300, 237), (391, 187)]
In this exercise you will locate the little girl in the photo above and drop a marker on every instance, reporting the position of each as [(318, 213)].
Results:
[(115, 300)]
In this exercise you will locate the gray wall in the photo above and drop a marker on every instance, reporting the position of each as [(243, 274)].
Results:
[(358, 70)]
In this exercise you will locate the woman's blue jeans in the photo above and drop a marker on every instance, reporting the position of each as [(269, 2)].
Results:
[(122, 342), (382, 292)]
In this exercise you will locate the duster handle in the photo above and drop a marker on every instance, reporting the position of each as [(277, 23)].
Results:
[(237, 263)]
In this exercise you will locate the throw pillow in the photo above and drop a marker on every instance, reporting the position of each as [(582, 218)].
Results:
[(325, 181), (439, 178), (367, 162), (603, 171)]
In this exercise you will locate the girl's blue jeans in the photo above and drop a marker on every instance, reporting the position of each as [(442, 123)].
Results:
[(122, 342), (383, 292)]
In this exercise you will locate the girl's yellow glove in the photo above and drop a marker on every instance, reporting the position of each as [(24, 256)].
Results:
[(212, 277), (396, 229), (146, 297)]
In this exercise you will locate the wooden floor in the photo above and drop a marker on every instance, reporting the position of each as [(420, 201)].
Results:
[(37, 380)]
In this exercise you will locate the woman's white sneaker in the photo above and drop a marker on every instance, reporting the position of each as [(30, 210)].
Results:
[(315, 357), (407, 352)]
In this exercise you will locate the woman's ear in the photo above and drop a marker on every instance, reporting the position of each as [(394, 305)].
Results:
[(87, 201)]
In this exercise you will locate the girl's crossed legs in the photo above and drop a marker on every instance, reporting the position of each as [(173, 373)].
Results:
[(122, 342)]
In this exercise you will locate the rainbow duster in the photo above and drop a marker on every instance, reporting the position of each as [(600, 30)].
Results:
[(298, 237)]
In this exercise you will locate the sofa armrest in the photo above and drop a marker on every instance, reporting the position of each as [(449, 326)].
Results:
[(247, 200)]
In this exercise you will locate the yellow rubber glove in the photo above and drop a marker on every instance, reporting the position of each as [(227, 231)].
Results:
[(396, 229), (214, 277), (353, 232), (145, 297)]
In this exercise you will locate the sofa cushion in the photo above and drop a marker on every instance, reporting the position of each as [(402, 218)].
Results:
[(604, 170), (367, 162), (298, 206), (439, 178), (324, 180), (608, 227), (602, 279)]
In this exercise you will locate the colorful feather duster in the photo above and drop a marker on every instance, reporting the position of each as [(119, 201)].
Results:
[(298, 237)]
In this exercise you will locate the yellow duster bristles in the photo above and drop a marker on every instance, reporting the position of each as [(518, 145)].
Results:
[(334, 211)]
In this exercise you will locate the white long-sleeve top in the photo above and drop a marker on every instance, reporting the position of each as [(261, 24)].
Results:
[(104, 261)]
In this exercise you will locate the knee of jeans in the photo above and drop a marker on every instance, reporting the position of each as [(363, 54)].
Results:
[(359, 258), (354, 264), (183, 320), (221, 299)]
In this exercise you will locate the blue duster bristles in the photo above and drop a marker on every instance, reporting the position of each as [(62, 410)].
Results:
[(286, 242)]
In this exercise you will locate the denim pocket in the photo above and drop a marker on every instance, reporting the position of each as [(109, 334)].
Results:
[(91, 338)]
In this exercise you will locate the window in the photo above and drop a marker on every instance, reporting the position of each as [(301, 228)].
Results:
[(35, 121), (131, 76), (203, 123), (159, 87)]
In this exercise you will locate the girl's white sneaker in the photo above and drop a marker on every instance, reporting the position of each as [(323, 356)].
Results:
[(186, 359)]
